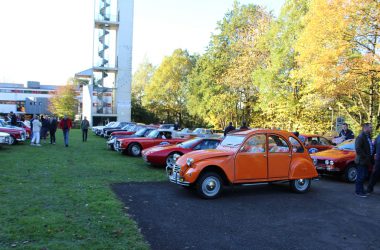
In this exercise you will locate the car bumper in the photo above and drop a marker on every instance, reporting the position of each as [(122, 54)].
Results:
[(175, 177), (327, 169), (5, 140), (22, 137)]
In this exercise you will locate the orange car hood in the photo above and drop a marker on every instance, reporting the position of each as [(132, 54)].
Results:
[(334, 154), (200, 155)]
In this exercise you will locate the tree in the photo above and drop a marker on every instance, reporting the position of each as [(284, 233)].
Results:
[(341, 60), (64, 101), (141, 79), (165, 95)]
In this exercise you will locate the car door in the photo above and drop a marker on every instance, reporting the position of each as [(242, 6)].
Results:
[(279, 157), (251, 162)]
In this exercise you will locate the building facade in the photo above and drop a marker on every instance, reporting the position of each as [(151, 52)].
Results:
[(107, 85)]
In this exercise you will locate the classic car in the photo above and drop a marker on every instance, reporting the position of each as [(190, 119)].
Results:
[(246, 158), (165, 155), (143, 132), (339, 160), (17, 134), (97, 129), (315, 143), (134, 146), (26, 127), (5, 138), (118, 125), (128, 129)]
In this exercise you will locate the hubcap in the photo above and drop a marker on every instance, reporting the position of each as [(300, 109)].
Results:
[(136, 150), (170, 160), (211, 186), (352, 174), (302, 184)]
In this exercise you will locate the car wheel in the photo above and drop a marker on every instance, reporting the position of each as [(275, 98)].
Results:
[(300, 185), (170, 159), (350, 174), (134, 149), (12, 141), (209, 185)]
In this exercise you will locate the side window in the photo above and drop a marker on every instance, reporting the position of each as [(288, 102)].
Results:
[(314, 141), (297, 147), (277, 145), (207, 144), (255, 144)]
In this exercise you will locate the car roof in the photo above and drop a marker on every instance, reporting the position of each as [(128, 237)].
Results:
[(260, 130)]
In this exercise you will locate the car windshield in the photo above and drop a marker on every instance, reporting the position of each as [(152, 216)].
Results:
[(153, 134), (110, 124), (232, 141), (140, 132), (189, 143), (347, 145), (197, 131), (126, 127), (2, 123)]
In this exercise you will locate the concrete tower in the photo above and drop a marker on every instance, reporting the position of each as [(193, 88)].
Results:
[(108, 94)]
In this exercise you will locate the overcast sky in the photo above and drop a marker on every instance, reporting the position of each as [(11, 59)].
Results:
[(51, 40)]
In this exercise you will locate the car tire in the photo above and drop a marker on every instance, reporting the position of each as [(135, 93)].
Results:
[(350, 174), (170, 159), (12, 141), (209, 185), (134, 149), (300, 186)]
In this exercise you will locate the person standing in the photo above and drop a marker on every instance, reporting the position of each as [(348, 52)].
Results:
[(84, 125), (36, 132), (52, 129), (376, 170), (228, 129), (346, 133), (65, 124), (45, 127), (364, 157), (13, 118), (244, 126)]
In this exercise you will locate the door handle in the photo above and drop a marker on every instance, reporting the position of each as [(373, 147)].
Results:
[(265, 155)]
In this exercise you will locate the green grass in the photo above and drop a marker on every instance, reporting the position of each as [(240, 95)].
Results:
[(52, 197)]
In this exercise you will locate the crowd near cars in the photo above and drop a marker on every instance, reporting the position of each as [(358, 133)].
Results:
[(206, 161)]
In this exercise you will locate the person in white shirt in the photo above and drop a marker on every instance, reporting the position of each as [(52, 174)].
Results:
[(36, 132)]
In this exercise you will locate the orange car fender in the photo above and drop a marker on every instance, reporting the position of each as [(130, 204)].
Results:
[(224, 164), (302, 168)]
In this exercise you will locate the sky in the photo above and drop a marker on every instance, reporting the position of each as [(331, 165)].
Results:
[(51, 40)]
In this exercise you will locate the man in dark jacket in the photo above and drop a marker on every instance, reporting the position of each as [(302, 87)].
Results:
[(347, 133), (84, 125), (53, 124), (376, 170), (364, 157), (228, 129), (13, 118)]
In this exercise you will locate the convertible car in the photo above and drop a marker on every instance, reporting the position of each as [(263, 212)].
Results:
[(166, 155), (143, 132), (134, 146)]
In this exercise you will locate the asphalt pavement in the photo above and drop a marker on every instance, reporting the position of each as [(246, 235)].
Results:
[(330, 216)]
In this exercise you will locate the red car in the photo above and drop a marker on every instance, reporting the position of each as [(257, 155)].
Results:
[(338, 161), (131, 131), (166, 155), (28, 130), (315, 143), (134, 146), (17, 134)]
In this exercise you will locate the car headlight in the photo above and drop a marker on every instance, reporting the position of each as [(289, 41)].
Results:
[(331, 162), (189, 161), (327, 162), (315, 161)]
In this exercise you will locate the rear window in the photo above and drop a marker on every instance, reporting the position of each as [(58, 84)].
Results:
[(297, 147)]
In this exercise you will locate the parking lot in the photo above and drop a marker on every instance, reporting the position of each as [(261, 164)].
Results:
[(330, 216)]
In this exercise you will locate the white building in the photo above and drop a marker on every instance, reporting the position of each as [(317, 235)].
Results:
[(107, 94)]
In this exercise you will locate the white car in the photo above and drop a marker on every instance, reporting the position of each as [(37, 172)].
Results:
[(5, 138)]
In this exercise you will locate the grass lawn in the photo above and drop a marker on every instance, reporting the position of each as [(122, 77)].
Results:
[(52, 197)]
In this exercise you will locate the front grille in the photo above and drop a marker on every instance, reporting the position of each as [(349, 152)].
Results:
[(176, 168)]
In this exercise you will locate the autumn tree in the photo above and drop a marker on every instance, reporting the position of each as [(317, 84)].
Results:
[(64, 101), (338, 53), (165, 95)]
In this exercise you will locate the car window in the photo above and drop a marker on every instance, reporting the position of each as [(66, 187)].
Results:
[(255, 144), (277, 144), (207, 144), (324, 141), (297, 147)]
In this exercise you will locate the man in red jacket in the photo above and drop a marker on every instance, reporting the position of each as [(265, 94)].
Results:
[(65, 124)]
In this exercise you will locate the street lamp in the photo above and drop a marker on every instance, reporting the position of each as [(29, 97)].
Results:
[(332, 118)]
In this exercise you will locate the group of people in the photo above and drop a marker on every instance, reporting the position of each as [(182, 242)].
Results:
[(230, 127)]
